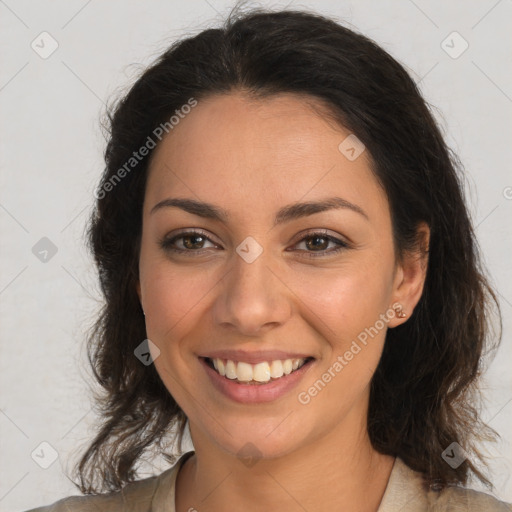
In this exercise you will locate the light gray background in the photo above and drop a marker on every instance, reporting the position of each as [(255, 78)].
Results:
[(51, 159)]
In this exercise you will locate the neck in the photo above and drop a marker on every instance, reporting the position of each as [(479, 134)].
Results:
[(352, 476)]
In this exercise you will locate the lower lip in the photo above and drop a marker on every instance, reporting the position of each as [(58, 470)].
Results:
[(256, 393)]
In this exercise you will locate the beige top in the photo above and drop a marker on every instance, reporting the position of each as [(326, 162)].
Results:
[(404, 493)]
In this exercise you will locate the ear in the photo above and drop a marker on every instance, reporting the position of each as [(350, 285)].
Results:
[(410, 277)]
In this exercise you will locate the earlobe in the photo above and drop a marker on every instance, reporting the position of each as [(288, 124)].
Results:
[(399, 312)]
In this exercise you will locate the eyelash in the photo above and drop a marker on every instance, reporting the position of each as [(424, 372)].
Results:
[(166, 244)]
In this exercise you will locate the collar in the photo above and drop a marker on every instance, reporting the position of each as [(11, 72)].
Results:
[(404, 490), (164, 499)]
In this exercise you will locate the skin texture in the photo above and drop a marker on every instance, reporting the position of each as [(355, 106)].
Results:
[(252, 157)]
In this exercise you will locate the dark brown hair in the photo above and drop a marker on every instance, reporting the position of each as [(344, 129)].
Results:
[(423, 394)]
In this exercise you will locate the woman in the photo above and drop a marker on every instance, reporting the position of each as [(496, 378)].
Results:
[(288, 266)]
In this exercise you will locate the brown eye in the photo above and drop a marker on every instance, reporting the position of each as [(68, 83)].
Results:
[(317, 243), (191, 242), (312, 242)]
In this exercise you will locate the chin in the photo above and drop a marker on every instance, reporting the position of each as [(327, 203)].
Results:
[(259, 441)]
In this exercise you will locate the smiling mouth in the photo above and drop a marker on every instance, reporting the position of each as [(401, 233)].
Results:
[(255, 374)]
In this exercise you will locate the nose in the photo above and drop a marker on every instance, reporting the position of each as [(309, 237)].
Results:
[(253, 297)]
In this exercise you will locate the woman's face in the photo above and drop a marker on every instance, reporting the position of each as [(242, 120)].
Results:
[(247, 283)]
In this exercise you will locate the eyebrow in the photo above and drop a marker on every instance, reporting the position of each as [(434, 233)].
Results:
[(285, 214)]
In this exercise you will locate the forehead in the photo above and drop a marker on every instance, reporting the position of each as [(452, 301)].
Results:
[(262, 152)]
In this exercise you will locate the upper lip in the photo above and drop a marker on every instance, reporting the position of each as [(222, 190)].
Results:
[(254, 357)]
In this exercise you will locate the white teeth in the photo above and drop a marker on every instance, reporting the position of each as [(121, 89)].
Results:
[(243, 372), (230, 369), (276, 369), (260, 372)]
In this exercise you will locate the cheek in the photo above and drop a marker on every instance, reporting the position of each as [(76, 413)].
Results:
[(347, 307), (172, 296), (344, 301), (173, 300)]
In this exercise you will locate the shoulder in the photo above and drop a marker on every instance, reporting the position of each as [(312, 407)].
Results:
[(467, 500), (406, 491), (134, 497), (136, 494)]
